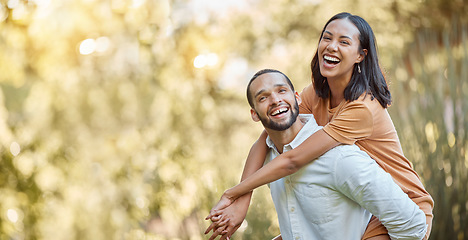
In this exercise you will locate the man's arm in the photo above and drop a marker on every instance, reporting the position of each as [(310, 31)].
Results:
[(361, 179)]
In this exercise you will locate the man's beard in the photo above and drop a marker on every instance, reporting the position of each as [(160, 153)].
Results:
[(268, 123)]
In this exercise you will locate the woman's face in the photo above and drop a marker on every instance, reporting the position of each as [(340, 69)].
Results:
[(338, 50)]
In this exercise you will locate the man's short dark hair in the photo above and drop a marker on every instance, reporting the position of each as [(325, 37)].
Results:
[(263, 71)]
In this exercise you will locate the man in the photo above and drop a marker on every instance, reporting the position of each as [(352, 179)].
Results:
[(335, 196)]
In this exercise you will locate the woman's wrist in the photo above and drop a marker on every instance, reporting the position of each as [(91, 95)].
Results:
[(229, 194)]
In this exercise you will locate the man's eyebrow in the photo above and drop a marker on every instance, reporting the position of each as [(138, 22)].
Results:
[(343, 36), (259, 92), (280, 85), (276, 85)]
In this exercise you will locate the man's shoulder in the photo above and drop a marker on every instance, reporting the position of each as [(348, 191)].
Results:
[(353, 164), (348, 157), (341, 157), (310, 127), (345, 150)]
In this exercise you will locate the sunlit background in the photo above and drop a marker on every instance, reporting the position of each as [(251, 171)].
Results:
[(127, 119)]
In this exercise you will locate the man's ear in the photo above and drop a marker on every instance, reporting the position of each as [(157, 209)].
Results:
[(298, 98), (362, 55), (254, 115)]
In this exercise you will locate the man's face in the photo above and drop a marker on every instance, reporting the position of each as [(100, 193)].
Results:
[(275, 104)]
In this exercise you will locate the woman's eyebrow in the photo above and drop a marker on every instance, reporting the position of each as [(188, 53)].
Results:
[(343, 36)]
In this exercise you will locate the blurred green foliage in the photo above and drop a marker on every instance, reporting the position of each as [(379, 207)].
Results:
[(126, 119), (431, 107)]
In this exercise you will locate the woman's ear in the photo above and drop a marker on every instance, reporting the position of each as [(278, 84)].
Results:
[(254, 115), (362, 55)]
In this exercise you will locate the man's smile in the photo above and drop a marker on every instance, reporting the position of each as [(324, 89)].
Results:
[(279, 111)]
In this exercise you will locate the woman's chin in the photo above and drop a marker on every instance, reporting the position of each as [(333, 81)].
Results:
[(325, 73)]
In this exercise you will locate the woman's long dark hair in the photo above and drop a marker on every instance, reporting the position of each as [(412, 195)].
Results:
[(371, 79)]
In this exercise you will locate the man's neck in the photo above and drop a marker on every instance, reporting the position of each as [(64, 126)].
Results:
[(281, 138)]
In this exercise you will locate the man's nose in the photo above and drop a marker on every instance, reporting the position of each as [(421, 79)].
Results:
[(275, 98)]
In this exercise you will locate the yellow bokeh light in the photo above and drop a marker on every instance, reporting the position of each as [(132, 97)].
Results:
[(25, 164), (102, 44), (12, 215), (3, 13), (205, 60), (19, 12), (211, 59), (466, 158), (449, 181), (42, 3), (243, 226), (13, 4), (15, 148), (200, 61), (137, 3), (451, 139), (87, 46)]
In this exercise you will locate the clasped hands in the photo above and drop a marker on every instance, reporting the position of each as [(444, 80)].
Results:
[(227, 216)]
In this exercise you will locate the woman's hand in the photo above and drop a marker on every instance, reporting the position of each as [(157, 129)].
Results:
[(218, 226), (223, 203), (227, 220), (219, 220)]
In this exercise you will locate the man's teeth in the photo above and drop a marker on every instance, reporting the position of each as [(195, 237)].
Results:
[(279, 111), (332, 59)]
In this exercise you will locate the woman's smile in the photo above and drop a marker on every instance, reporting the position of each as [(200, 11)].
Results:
[(330, 61)]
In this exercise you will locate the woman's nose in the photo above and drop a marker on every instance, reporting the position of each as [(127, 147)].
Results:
[(331, 46)]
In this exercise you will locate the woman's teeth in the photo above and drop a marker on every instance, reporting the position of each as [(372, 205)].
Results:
[(331, 59)]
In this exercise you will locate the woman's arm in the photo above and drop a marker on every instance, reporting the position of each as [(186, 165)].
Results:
[(284, 165), (256, 156), (254, 161), (238, 209)]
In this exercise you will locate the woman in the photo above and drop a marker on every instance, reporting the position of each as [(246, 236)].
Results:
[(348, 96)]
